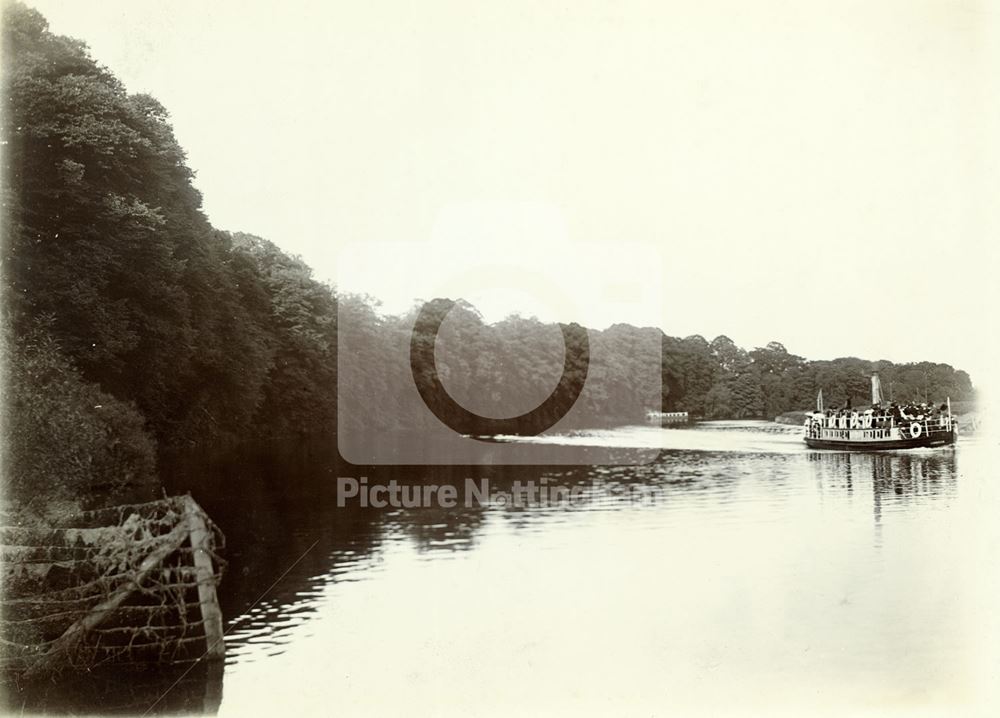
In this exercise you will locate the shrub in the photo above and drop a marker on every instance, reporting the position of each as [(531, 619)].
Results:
[(64, 438)]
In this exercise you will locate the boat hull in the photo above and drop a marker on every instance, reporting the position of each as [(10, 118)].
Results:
[(925, 441)]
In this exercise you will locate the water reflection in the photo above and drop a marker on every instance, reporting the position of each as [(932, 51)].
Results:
[(294, 556), (168, 691), (910, 475), (893, 479), (276, 527)]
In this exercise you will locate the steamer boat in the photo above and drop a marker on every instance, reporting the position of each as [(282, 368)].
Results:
[(882, 427)]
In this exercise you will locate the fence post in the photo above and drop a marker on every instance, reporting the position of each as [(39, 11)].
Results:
[(211, 614)]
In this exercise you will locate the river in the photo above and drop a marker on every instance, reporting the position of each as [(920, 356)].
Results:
[(739, 572)]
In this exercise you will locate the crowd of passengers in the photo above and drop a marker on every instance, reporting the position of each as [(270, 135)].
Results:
[(880, 417)]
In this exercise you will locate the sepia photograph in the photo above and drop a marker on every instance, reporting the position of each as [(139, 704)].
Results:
[(469, 358)]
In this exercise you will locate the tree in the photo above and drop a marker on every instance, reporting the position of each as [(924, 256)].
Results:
[(63, 437), (729, 357)]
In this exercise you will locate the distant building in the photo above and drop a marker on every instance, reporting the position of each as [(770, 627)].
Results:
[(667, 418)]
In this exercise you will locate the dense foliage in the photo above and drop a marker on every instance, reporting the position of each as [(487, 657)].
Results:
[(119, 294), (210, 336), (68, 437), (720, 380)]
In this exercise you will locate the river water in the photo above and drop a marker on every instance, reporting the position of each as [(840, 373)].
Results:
[(740, 572)]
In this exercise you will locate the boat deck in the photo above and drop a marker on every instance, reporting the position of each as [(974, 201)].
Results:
[(916, 434)]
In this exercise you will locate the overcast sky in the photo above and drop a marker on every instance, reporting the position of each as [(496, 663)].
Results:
[(816, 173)]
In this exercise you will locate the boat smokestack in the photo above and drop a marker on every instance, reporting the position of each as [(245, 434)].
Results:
[(876, 390)]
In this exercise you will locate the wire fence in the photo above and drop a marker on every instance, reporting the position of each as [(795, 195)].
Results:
[(121, 584)]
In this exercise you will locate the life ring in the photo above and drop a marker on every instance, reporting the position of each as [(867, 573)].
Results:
[(915, 430)]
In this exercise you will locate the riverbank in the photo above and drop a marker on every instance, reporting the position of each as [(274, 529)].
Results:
[(796, 418)]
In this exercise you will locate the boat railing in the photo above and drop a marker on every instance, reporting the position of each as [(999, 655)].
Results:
[(929, 425)]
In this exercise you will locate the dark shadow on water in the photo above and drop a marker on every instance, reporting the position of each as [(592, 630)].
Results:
[(170, 690)]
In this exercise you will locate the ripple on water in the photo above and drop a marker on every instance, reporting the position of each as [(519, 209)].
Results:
[(737, 556)]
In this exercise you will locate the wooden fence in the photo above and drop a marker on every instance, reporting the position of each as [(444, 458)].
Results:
[(129, 584)]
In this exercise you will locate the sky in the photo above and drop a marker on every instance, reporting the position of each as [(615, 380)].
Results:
[(820, 173)]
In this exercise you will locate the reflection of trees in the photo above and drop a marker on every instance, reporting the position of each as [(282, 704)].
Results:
[(169, 691), (432, 528), (275, 503), (272, 505)]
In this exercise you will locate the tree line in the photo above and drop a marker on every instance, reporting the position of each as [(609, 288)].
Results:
[(720, 380), (130, 322), (123, 306)]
